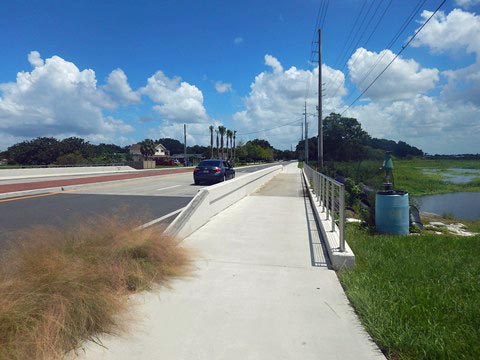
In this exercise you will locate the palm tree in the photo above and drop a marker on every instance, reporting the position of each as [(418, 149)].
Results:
[(222, 130), (147, 148), (229, 140), (211, 141), (234, 146), (218, 151)]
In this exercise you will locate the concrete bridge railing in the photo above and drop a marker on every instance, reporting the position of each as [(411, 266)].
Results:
[(328, 200)]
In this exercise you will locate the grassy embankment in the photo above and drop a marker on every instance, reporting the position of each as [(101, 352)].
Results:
[(418, 296), (59, 288)]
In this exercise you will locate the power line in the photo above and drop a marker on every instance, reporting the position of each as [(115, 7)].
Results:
[(355, 41), (269, 129), (396, 56), (349, 35), (407, 21), (357, 55), (320, 21)]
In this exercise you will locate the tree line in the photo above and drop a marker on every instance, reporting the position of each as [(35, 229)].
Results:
[(69, 151), (76, 151), (345, 140)]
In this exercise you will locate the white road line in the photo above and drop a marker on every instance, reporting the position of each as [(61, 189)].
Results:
[(159, 219), (168, 187)]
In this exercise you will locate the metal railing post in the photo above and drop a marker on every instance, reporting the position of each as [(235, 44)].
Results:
[(341, 220), (333, 207), (326, 200), (325, 189)]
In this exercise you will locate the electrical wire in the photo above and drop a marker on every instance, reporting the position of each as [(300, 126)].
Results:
[(396, 56), (349, 35), (407, 21), (357, 55), (269, 129)]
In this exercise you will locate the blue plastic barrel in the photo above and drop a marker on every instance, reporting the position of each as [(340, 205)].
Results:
[(392, 212)]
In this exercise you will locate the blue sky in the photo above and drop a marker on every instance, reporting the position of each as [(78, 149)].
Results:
[(113, 71)]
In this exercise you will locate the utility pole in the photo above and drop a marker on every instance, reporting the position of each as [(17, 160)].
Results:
[(185, 143), (306, 134), (302, 138), (320, 120)]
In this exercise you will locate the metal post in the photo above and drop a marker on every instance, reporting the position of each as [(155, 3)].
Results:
[(324, 184), (185, 143), (306, 134), (333, 207), (326, 199), (341, 220)]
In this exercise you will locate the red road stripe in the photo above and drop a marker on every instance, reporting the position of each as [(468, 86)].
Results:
[(90, 180)]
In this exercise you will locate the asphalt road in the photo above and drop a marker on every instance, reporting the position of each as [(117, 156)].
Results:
[(144, 199)]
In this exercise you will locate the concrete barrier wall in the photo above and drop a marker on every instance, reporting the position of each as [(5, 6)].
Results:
[(213, 199), (10, 174)]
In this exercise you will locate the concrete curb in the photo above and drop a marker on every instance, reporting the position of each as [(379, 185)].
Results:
[(104, 172), (339, 260), (212, 200)]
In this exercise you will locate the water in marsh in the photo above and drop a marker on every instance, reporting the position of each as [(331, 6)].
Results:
[(455, 175), (461, 205)]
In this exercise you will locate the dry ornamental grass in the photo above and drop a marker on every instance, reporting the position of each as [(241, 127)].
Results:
[(61, 287)]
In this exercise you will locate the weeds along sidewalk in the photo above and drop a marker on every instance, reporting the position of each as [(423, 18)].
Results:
[(261, 290)]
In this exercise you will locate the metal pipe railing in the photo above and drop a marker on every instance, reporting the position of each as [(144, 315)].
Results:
[(330, 195)]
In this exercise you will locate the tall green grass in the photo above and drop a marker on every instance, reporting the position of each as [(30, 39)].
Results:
[(61, 287), (418, 296)]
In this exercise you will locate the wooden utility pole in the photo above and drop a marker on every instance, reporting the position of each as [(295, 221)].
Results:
[(185, 143), (320, 120)]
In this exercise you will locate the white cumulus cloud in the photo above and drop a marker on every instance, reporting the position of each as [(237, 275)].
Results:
[(277, 97), (404, 79), (455, 33), (117, 86), (273, 63), (177, 100), (459, 30), (424, 121), (467, 3), (55, 99)]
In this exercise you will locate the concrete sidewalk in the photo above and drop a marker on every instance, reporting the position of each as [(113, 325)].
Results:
[(262, 290)]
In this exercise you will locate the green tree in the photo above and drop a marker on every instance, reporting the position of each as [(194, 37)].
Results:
[(211, 140), (234, 146), (344, 138), (229, 141), (77, 145), (221, 131), (73, 158), (172, 145), (39, 151), (147, 148), (218, 149)]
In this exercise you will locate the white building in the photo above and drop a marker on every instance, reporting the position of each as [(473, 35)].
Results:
[(160, 151)]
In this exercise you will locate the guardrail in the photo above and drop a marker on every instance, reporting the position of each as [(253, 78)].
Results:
[(330, 194)]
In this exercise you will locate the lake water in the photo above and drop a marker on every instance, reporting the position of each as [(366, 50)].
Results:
[(455, 175), (462, 205)]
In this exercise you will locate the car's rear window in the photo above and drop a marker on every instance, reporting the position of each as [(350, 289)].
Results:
[(209, 163)]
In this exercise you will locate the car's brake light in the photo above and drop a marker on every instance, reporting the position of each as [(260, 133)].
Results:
[(217, 170), (196, 169)]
